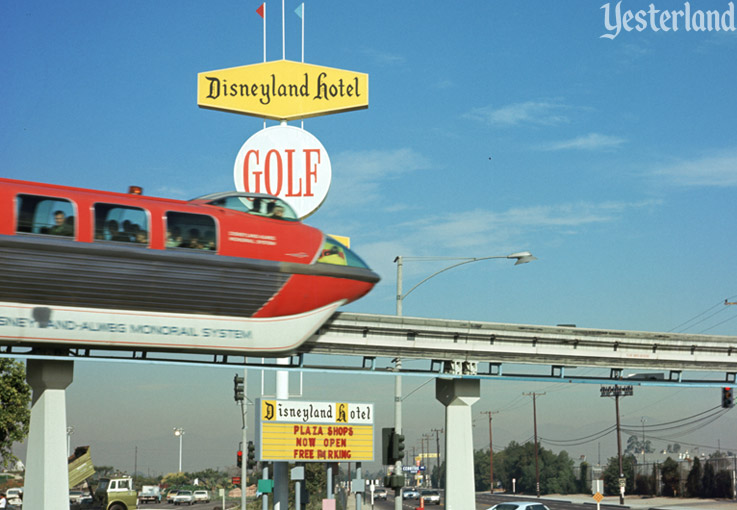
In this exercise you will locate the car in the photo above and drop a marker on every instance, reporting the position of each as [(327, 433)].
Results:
[(74, 495), (519, 505), (14, 497), (410, 493), (202, 496), (184, 498), (171, 495), (430, 496), (380, 493)]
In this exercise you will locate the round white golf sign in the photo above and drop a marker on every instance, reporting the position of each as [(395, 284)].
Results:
[(286, 162)]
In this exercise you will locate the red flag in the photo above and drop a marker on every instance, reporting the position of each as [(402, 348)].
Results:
[(260, 10)]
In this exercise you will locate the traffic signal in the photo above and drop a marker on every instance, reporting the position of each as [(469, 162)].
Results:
[(727, 398), (386, 445), (251, 462), (397, 447), (239, 458), (238, 391)]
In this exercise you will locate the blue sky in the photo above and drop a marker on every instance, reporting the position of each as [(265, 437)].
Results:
[(493, 127)]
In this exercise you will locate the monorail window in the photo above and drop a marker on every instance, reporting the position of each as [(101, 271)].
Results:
[(45, 215), (270, 207), (333, 252), (120, 223), (194, 231)]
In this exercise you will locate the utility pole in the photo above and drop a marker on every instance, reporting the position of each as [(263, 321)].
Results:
[(644, 448), (534, 419), (437, 449), (491, 452)]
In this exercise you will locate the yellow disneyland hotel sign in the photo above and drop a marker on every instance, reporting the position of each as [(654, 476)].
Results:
[(282, 90), (291, 430)]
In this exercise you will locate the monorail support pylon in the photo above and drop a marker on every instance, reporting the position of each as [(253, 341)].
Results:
[(47, 475), (458, 395)]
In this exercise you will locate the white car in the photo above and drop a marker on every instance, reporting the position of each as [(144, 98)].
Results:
[(410, 493), (14, 496), (74, 495), (430, 496), (519, 505), (184, 498), (202, 496), (380, 493)]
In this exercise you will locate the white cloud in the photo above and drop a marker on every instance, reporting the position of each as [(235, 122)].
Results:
[(592, 141), (480, 228), (719, 170), (384, 58), (530, 112), (362, 173)]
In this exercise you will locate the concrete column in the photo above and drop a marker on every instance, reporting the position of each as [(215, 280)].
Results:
[(458, 395), (47, 475)]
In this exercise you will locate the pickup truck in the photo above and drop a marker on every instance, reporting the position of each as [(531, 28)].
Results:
[(149, 494)]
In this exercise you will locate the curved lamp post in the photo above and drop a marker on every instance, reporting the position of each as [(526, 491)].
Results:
[(179, 432), (521, 257)]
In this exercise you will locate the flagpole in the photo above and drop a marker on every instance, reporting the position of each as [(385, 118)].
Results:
[(264, 20), (283, 45)]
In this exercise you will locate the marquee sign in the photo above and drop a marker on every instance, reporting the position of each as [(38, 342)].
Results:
[(287, 162), (282, 90), (290, 430)]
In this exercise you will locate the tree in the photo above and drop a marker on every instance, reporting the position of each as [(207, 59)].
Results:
[(636, 446), (723, 484), (175, 479), (15, 414), (584, 486), (611, 475), (670, 477), (518, 462), (673, 448), (316, 483), (481, 470), (693, 482), (708, 482)]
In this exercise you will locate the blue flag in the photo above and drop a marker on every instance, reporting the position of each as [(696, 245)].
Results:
[(298, 11)]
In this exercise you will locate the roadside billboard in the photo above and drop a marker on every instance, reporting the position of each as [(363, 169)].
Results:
[(282, 90), (299, 431)]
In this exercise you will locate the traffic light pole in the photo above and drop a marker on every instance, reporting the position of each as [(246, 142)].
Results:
[(398, 429), (244, 465)]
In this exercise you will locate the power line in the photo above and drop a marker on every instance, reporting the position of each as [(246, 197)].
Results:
[(720, 304)]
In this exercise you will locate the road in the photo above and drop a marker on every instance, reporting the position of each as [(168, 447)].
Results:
[(197, 506), (483, 501)]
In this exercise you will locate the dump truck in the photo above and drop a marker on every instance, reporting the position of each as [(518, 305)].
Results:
[(111, 493)]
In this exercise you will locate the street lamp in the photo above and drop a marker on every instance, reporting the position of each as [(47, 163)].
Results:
[(70, 431), (522, 257), (179, 432)]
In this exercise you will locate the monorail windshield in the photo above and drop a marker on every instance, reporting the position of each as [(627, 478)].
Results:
[(256, 204), (333, 252)]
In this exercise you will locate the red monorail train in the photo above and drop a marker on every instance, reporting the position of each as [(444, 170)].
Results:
[(128, 270)]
